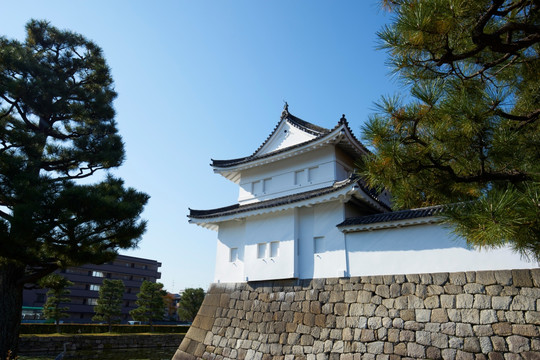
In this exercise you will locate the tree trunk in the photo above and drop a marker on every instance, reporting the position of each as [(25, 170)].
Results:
[(10, 306)]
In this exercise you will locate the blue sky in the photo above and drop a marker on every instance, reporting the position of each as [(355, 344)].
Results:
[(207, 79)]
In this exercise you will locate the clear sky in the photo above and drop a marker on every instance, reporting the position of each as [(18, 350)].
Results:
[(207, 79)]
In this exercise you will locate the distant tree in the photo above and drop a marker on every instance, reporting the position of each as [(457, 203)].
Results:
[(470, 131), (150, 303), (170, 306), (189, 304), (109, 303), (57, 295), (57, 129)]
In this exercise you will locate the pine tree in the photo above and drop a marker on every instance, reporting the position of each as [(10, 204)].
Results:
[(57, 295), (150, 303), (57, 129), (189, 304), (468, 134), (109, 303)]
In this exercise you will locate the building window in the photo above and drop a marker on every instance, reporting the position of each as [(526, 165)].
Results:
[(318, 244), (266, 185), (91, 301), (97, 273), (256, 187), (311, 173), (298, 177), (274, 248), (261, 250), (94, 287), (233, 254)]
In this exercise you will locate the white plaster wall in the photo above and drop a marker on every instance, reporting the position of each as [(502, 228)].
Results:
[(320, 222), (286, 135), (265, 229), (320, 164), (230, 235), (421, 249)]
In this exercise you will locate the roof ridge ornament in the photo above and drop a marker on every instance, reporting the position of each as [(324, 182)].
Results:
[(285, 112), (343, 120)]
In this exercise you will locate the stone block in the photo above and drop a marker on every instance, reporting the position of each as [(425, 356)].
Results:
[(383, 291), (439, 340), (457, 278), (408, 314), (464, 301), (393, 335), (400, 349), (401, 303), (498, 343), (367, 335), (453, 289), (433, 353), (376, 299), (432, 302), (448, 328), (462, 355), (454, 315), (448, 354), (381, 311), (341, 309), (416, 350), (398, 323), (494, 290), (517, 344), (395, 290), (485, 344), (525, 330), (471, 316), (488, 316), (471, 344), (522, 278), (509, 291), (516, 317), (415, 302), (351, 296), (455, 342), (408, 288), (482, 330), (474, 288), (423, 315), (522, 302), (363, 297), (376, 347), (423, 337), (421, 291), (439, 316), (369, 309), (535, 275), (464, 330), (374, 322), (533, 317), (486, 277), (406, 335), (482, 301)]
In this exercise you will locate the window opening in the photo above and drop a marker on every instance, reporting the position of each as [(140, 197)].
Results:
[(261, 250)]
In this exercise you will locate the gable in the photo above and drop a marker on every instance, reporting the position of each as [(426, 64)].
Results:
[(286, 135)]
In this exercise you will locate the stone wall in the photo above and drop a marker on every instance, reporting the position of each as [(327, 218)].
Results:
[(466, 315), (55, 344)]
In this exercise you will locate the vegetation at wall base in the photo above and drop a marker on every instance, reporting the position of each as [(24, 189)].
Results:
[(57, 130), (81, 329), (469, 133), (150, 303)]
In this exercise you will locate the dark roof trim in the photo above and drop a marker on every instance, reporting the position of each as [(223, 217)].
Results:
[(393, 216), (284, 200), (304, 125)]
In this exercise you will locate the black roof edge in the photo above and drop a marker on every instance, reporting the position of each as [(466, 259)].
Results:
[(394, 216)]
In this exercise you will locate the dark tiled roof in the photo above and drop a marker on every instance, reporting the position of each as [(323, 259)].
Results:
[(284, 200), (394, 216), (297, 122)]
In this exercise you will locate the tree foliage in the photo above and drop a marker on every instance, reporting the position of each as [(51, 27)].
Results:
[(469, 131), (150, 303), (57, 129), (109, 303), (189, 304), (57, 295)]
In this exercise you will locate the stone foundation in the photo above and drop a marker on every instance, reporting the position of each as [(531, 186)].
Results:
[(466, 315)]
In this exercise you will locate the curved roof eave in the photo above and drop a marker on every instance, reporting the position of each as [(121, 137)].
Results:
[(341, 131)]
